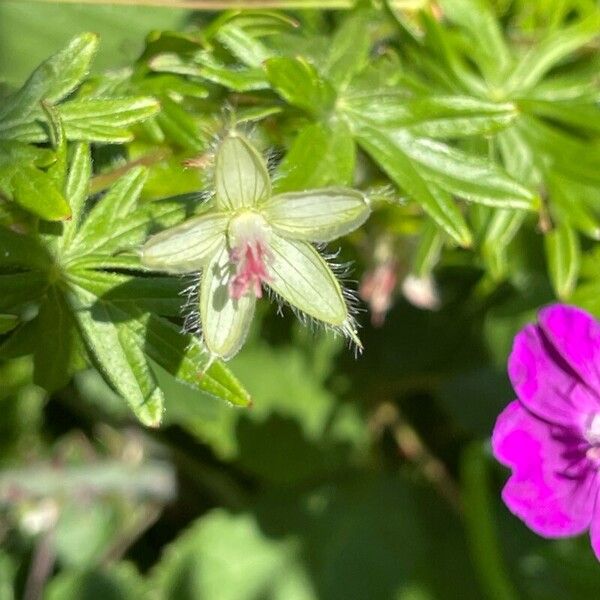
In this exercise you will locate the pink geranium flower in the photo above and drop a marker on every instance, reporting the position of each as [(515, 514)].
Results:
[(550, 435)]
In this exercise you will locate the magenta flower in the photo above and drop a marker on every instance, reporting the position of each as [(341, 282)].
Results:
[(550, 435)]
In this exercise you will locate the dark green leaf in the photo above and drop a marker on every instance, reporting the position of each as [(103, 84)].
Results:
[(320, 155), (299, 84), (401, 170), (563, 252), (52, 80)]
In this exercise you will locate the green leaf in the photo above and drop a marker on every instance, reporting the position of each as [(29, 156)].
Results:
[(206, 67), (52, 80), (8, 323), (429, 116), (245, 47), (20, 250), (465, 175), (160, 295), (57, 346), (36, 191), (56, 134), (584, 116), (179, 126), (349, 50), (299, 84), (401, 170), (488, 47), (500, 231), (90, 119), (21, 288), (120, 581), (126, 305), (548, 53), (118, 354), (320, 155), (106, 221), (76, 190), (564, 259), (428, 250), (82, 118)]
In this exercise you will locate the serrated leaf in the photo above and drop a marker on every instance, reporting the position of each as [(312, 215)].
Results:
[(400, 169), (57, 347), (487, 42), (118, 355), (98, 229), (320, 155), (465, 175), (126, 307), (52, 80), (349, 50), (564, 259), (76, 190), (545, 55), (36, 192), (160, 295), (239, 80), (299, 84), (430, 116)]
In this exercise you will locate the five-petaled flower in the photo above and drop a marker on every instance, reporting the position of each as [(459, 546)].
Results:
[(550, 435), (249, 238)]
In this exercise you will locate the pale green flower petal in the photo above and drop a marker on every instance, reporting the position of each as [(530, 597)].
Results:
[(186, 247), (317, 215), (241, 175), (225, 321), (301, 277)]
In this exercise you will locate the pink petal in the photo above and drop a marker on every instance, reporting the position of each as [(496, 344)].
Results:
[(553, 487), (576, 336), (546, 384)]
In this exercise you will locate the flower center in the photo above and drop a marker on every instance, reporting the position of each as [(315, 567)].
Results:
[(592, 436), (248, 240)]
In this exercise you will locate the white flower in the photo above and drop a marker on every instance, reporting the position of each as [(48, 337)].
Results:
[(250, 239)]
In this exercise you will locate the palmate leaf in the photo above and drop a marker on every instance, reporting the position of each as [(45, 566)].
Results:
[(320, 155), (85, 309), (436, 203), (52, 80), (23, 179), (86, 119), (89, 119)]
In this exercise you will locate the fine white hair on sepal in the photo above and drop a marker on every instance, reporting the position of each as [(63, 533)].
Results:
[(349, 328), (191, 314)]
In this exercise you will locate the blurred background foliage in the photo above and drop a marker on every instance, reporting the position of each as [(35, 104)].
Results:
[(473, 125)]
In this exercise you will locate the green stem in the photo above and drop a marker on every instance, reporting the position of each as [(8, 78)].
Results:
[(481, 531)]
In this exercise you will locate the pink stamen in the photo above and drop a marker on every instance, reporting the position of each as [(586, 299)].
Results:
[(251, 269)]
